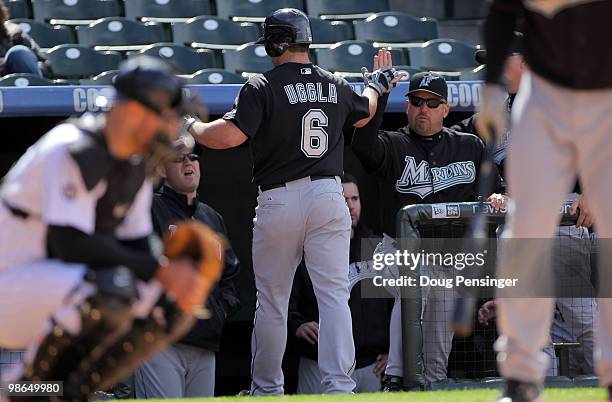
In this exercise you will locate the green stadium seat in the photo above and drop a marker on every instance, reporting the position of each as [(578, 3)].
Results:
[(247, 58), (253, 10), (186, 60), (74, 12), (18, 8), (105, 78), (215, 76), (395, 27), (329, 32), (77, 61), (45, 35), (443, 55), (119, 33), (345, 9), (214, 33), (24, 80), (351, 55), (166, 10)]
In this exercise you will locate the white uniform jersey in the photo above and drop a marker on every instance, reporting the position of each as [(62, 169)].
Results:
[(47, 184)]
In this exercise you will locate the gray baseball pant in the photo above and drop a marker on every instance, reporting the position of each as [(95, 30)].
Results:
[(179, 371), (308, 218), (556, 133), (309, 378)]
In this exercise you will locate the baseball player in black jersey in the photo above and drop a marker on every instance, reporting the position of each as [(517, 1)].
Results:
[(423, 163), (561, 124), (82, 280), (292, 116)]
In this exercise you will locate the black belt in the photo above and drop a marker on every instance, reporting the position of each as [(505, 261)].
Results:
[(267, 187)]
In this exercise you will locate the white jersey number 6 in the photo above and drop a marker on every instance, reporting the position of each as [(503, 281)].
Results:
[(314, 137)]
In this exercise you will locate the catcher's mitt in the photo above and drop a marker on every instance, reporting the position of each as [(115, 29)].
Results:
[(200, 243)]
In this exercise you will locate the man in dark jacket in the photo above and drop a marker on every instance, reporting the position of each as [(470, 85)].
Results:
[(187, 369), (370, 316)]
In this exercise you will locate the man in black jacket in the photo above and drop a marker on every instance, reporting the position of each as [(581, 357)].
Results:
[(187, 369), (370, 316)]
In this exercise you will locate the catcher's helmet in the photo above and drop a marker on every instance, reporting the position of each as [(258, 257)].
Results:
[(139, 78), (283, 28)]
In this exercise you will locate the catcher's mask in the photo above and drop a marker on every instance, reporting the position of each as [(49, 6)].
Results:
[(283, 28), (158, 95)]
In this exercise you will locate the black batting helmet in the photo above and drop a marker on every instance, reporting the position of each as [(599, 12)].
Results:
[(283, 28)]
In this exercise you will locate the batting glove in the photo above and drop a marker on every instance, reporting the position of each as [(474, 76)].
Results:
[(492, 121), (380, 80)]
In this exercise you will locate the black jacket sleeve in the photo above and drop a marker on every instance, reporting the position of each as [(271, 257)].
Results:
[(229, 294), (295, 317), (100, 251), (367, 146), (499, 27)]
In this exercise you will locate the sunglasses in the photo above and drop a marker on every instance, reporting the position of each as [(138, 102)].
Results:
[(431, 103), (182, 158)]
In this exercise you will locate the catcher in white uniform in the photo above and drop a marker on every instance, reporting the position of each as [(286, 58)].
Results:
[(83, 285)]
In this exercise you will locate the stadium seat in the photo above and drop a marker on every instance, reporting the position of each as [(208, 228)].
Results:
[(394, 27), (409, 70), (247, 58), (45, 35), (215, 76), (24, 80), (74, 12), (443, 54), (477, 74), (166, 10), (345, 9), (325, 33), (186, 60), (214, 33), (253, 10), (105, 78), (119, 33), (76, 61), (351, 55), (18, 8)]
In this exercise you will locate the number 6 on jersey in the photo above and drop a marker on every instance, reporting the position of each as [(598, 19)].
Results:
[(314, 136)]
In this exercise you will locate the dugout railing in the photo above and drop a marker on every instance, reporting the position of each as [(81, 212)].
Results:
[(411, 221)]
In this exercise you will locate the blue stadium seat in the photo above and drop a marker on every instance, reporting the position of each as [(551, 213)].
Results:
[(215, 76), (329, 32), (477, 74), (74, 12), (214, 33), (45, 35), (24, 80), (345, 9), (443, 55), (166, 11), (351, 55), (119, 33), (395, 27), (186, 60), (409, 70), (105, 78), (18, 8), (76, 61), (247, 58), (253, 10)]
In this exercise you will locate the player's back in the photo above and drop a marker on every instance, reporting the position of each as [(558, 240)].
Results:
[(302, 110)]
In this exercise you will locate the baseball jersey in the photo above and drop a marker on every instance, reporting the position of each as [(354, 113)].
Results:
[(293, 116), (565, 41), (68, 178), (440, 168)]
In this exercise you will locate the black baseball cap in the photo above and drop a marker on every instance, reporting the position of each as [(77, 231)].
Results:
[(140, 77), (429, 82), (516, 47)]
